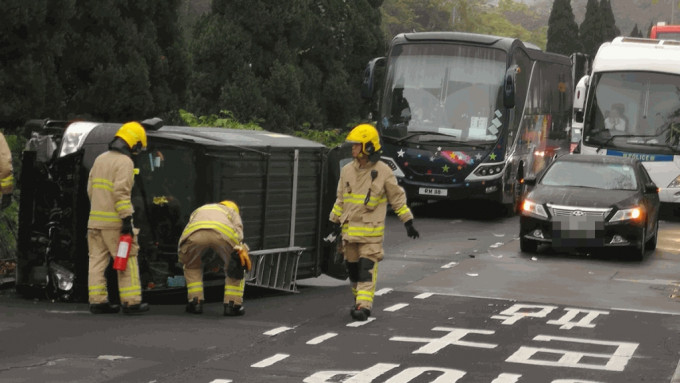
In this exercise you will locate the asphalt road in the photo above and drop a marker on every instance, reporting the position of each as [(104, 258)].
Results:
[(460, 304)]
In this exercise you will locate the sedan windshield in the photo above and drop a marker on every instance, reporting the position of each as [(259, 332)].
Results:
[(591, 175), (449, 89)]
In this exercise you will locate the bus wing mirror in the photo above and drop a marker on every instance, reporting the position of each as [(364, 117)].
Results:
[(368, 85), (509, 87), (580, 98)]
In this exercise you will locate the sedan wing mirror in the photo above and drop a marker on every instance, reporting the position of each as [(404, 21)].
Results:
[(651, 188)]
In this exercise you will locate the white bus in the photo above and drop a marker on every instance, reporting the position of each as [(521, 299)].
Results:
[(629, 105)]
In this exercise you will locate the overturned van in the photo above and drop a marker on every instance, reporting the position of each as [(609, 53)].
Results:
[(280, 182)]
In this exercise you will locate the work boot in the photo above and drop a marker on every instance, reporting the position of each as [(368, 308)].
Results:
[(360, 313), (135, 309), (195, 306), (104, 308), (232, 310)]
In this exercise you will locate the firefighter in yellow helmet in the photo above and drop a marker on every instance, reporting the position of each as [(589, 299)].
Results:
[(365, 187), (109, 187), (6, 178), (215, 226)]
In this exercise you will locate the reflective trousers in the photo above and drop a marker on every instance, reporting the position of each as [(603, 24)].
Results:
[(103, 246), (364, 283), (190, 252)]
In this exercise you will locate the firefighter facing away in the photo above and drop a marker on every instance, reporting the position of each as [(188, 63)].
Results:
[(216, 227), (109, 187), (365, 187), (6, 178)]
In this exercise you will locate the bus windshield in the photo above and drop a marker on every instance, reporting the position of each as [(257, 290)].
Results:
[(634, 111), (443, 92)]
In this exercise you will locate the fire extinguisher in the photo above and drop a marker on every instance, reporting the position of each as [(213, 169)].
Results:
[(124, 244)]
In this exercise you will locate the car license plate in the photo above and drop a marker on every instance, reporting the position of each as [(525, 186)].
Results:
[(578, 231), (433, 191)]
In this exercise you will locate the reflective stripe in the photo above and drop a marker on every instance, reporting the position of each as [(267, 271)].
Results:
[(7, 181), (102, 183), (214, 225), (359, 231), (354, 291), (235, 290), (359, 199), (123, 204), (403, 210), (364, 295), (135, 289), (195, 287), (337, 210), (104, 216), (97, 290)]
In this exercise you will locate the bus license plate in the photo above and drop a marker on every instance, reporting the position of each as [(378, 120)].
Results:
[(432, 191)]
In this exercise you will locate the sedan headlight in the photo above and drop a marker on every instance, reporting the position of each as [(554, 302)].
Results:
[(532, 208), (626, 214), (74, 137), (63, 277)]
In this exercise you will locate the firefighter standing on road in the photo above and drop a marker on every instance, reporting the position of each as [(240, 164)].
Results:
[(215, 226), (109, 188), (6, 178), (365, 186)]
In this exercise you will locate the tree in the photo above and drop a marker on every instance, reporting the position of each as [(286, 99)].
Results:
[(610, 30), (563, 29), (590, 30), (636, 32)]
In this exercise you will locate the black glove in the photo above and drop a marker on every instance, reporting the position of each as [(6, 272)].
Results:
[(6, 201), (127, 226), (410, 230), (333, 232)]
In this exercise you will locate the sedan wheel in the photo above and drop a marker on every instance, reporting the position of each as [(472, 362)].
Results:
[(638, 252), (651, 243), (527, 245)]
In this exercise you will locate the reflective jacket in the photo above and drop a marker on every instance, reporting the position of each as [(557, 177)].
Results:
[(217, 217), (362, 219), (109, 188), (6, 178)]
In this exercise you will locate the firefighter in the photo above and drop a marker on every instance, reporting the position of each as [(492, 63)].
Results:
[(109, 187), (215, 226), (6, 178), (365, 187)]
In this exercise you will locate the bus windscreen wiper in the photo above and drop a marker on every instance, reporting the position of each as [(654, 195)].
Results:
[(610, 140), (421, 133)]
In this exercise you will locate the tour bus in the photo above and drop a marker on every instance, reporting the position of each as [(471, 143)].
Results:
[(662, 31), (630, 106), (468, 116)]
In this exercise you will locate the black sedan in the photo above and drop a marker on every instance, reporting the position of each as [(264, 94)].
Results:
[(591, 201)]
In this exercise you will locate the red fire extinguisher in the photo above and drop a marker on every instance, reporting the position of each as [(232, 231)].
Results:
[(124, 244)]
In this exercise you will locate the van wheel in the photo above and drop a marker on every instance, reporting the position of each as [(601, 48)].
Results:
[(528, 245)]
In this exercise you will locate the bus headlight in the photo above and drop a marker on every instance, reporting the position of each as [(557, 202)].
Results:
[(489, 170), (393, 165)]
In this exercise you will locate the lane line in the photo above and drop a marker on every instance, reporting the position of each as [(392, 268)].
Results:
[(396, 307), (383, 291), (423, 295), (269, 361), (277, 330), (360, 323), (322, 338)]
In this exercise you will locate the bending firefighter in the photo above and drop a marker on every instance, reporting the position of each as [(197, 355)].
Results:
[(218, 227), (109, 188), (6, 178), (365, 187)]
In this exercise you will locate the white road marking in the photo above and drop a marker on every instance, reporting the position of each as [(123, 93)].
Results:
[(361, 323), (648, 281), (222, 381), (322, 338), (507, 378), (269, 361), (449, 265), (396, 307), (278, 330), (497, 244), (113, 357), (64, 312), (423, 295), (383, 291)]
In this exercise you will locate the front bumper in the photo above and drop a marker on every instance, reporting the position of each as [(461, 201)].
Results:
[(491, 190), (603, 235)]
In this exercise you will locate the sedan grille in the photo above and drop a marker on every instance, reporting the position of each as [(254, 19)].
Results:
[(570, 211)]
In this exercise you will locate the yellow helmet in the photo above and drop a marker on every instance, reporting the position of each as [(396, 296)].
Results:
[(231, 205), (134, 135), (367, 136)]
